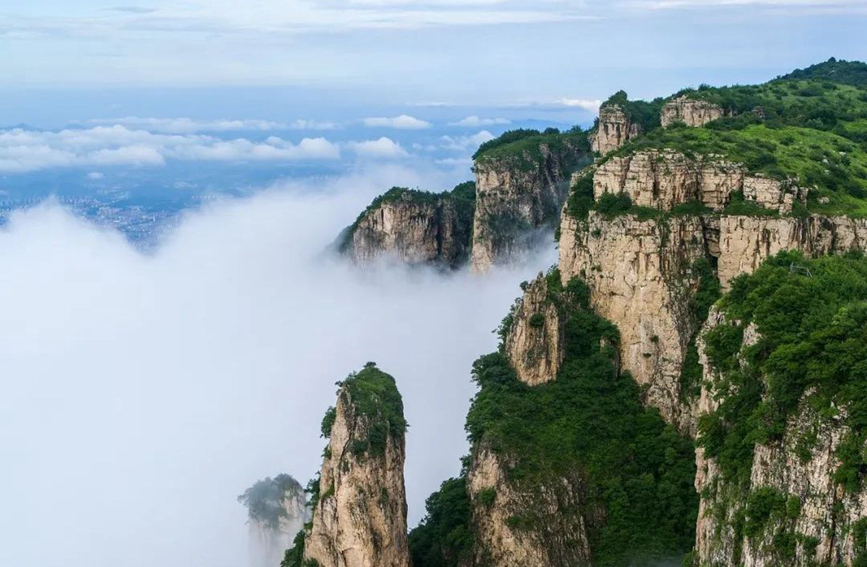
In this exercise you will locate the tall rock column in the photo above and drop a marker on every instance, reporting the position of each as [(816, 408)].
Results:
[(359, 519), (614, 129), (277, 510)]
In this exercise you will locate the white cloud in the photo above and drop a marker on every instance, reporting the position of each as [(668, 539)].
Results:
[(464, 143), (381, 148), (586, 104), (402, 122), (95, 175), (160, 387), (475, 121), (24, 150), (191, 126)]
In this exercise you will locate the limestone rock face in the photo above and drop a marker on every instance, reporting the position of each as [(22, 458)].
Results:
[(614, 130), (690, 111), (663, 179), (535, 343), (639, 274), (827, 513), (411, 231), (746, 242), (640, 277), (517, 206), (561, 537), (360, 518)]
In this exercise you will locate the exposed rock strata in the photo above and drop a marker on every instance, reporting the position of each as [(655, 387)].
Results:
[(360, 518), (663, 179), (689, 111), (614, 129), (412, 230), (518, 205), (826, 515), (561, 537), (640, 277), (535, 343)]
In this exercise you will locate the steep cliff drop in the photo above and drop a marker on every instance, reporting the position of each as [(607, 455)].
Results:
[(359, 502), (277, 510), (522, 180), (413, 227)]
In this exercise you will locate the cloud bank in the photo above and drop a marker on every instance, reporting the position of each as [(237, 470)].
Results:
[(402, 122), (25, 150), (191, 126), (141, 394)]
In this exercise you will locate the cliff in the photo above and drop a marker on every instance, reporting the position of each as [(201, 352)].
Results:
[(689, 111), (614, 129), (413, 227), (520, 188), (780, 459), (277, 510), (359, 513)]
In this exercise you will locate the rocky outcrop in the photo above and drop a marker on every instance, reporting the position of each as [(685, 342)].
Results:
[(746, 242), (820, 517), (276, 511), (613, 130), (641, 279), (518, 203), (412, 227), (663, 179), (360, 517), (535, 343), (689, 111), (501, 511)]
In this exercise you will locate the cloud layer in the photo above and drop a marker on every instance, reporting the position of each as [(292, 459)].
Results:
[(402, 122), (141, 394)]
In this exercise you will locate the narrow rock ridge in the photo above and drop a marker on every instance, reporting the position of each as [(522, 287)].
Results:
[(613, 130), (559, 536), (360, 517), (535, 343), (412, 227), (518, 205), (825, 515), (689, 111), (663, 179)]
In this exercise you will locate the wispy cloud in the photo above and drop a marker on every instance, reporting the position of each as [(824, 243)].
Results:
[(475, 122), (465, 143), (24, 150), (191, 126), (586, 104), (381, 148), (402, 122)]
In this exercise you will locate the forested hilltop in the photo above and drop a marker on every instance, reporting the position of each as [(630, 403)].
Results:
[(687, 385)]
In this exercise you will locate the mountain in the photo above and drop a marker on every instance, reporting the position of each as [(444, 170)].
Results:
[(687, 385)]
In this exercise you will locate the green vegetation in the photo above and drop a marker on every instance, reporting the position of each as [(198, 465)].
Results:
[(524, 148), (264, 500), (706, 294), (645, 114), (591, 422), (444, 538), (374, 395), (812, 319), (838, 71)]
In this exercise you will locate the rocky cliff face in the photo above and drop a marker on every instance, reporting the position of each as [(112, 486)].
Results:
[(689, 111), (518, 204), (807, 517), (535, 343), (360, 517), (663, 179), (414, 228), (559, 535), (614, 129), (641, 271)]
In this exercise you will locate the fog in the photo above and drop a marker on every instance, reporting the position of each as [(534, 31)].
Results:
[(140, 394)]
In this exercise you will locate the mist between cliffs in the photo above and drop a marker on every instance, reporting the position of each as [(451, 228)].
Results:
[(140, 394)]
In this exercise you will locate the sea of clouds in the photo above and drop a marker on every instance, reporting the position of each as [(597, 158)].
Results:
[(141, 393)]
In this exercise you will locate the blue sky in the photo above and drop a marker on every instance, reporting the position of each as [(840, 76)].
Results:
[(489, 52)]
